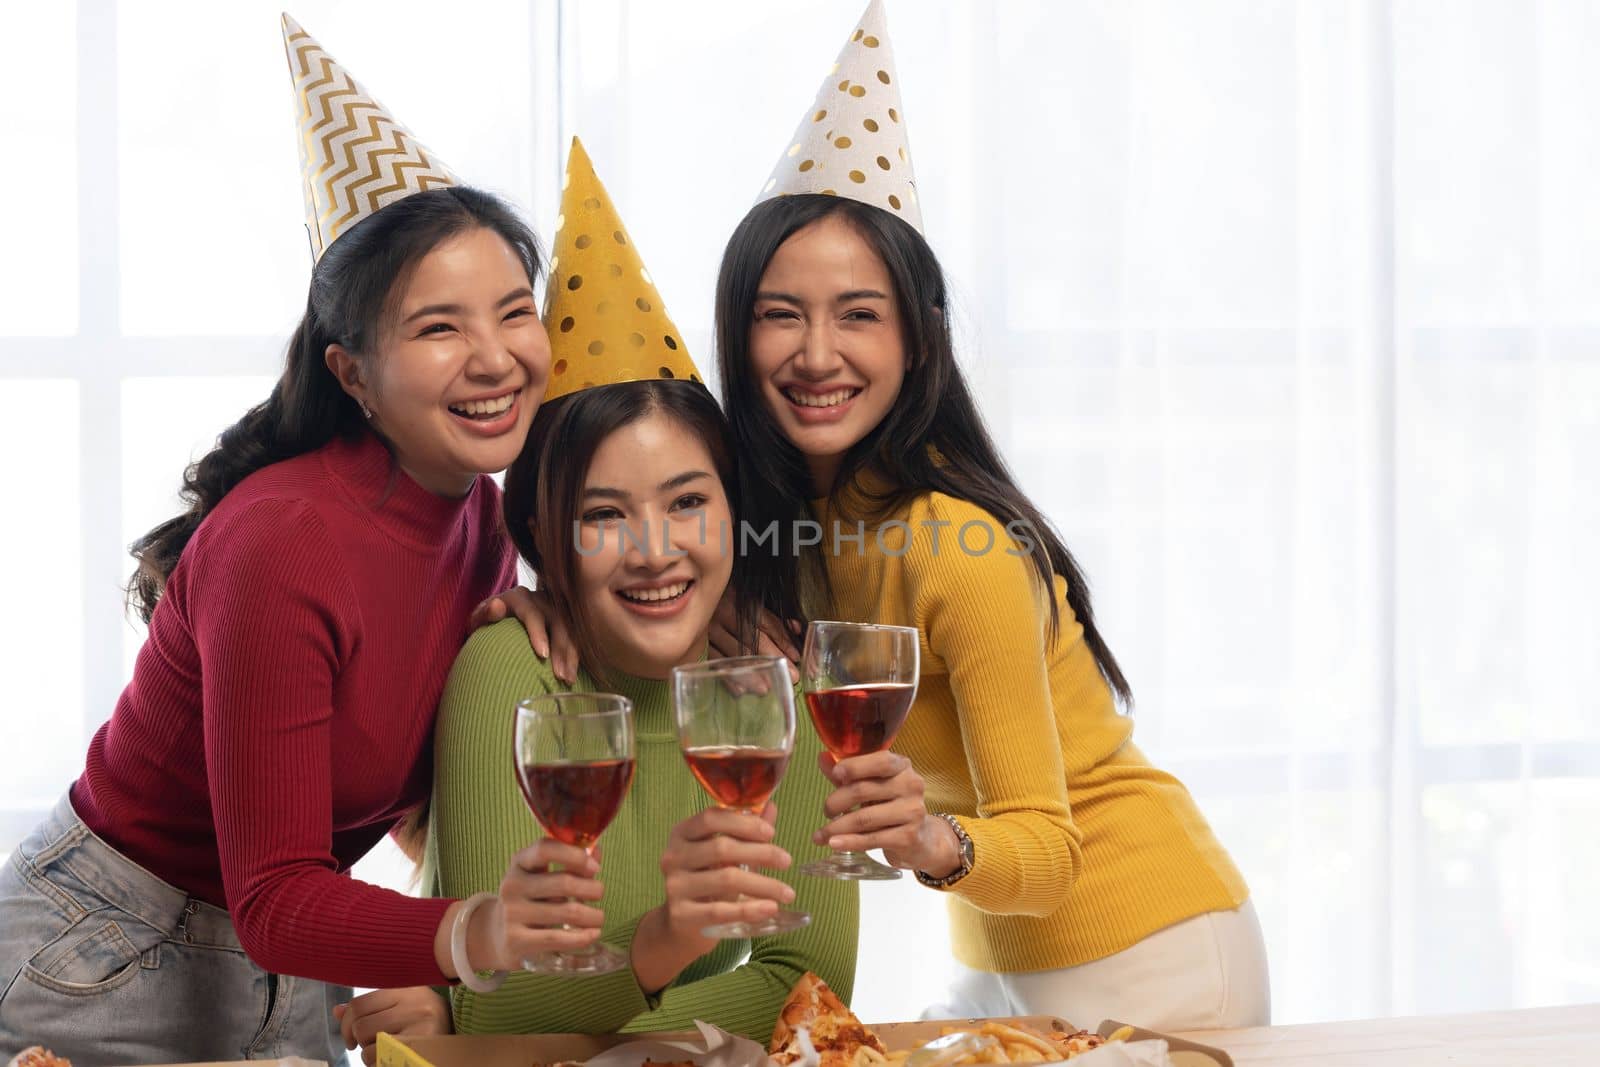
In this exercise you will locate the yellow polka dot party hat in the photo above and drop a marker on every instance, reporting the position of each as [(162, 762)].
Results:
[(852, 142), (355, 158), (601, 308)]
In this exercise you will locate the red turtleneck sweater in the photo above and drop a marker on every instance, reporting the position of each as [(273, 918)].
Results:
[(280, 717)]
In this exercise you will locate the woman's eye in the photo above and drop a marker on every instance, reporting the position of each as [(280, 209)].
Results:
[(602, 515), (519, 313), (689, 502), (776, 314), (435, 328), (861, 315)]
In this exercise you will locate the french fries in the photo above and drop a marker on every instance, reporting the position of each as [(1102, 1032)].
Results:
[(1007, 1043)]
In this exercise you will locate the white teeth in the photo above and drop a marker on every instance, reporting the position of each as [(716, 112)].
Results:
[(825, 400), (497, 406), (650, 596)]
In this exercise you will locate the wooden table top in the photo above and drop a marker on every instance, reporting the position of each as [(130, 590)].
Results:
[(1532, 1037)]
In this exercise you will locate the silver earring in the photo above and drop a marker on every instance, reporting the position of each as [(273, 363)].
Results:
[(365, 411)]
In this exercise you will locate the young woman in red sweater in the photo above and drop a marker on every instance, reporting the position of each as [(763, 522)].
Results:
[(189, 898)]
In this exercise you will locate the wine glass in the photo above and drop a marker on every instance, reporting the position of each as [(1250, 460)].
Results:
[(736, 729), (574, 757), (859, 680)]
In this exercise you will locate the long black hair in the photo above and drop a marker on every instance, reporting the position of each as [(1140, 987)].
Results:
[(351, 287), (932, 440), (544, 487)]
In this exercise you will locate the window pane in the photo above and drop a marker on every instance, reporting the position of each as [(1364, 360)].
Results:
[(41, 689), (1499, 508), (223, 250), (168, 423), (1561, 942), (1472, 878), (39, 114), (1314, 860)]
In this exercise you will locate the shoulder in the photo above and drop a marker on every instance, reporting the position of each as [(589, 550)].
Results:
[(249, 538), (952, 509), (949, 534), (498, 659), (284, 500)]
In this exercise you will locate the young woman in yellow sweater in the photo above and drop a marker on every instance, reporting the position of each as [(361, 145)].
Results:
[(1081, 879)]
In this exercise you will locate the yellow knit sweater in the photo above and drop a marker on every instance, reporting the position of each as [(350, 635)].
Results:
[(1082, 847)]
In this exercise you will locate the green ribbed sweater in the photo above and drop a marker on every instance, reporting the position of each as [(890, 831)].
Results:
[(479, 820)]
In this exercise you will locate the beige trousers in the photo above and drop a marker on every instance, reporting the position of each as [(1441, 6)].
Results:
[(1205, 973)]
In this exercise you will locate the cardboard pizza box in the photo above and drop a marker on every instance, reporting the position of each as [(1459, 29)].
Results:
[(292, 1061), (526, 1050)]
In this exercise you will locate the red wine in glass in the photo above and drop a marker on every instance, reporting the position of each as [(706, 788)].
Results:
[(575, 802), (574, 758), (738, 776), (860, 680), (858, 719), (736, 725)]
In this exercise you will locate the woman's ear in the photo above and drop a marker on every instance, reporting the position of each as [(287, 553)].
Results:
[(347, 369)]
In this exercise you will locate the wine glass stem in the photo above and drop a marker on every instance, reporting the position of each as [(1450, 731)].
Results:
[(592, 947), (743, 866)]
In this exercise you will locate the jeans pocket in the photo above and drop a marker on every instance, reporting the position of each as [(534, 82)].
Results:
[(95, 955)]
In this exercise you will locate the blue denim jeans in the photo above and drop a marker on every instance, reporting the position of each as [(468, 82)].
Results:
[(104, 963)]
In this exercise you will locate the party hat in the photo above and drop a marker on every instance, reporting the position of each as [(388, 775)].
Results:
[(354, 156), (602, 311), (853, 140)]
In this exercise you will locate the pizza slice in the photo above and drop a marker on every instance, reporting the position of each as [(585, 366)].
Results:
[(815, 1026), (38, 1057)]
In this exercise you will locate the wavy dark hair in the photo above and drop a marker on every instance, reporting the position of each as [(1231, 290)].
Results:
[(932, 440), (544, 488), (351, 289)]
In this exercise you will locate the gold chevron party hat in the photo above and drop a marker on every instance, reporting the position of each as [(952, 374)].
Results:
[(602, 311), (852, 142), (354, 156)]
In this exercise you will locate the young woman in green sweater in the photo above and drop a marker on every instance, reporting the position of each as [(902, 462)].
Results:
[(622, 502), (618, 503)]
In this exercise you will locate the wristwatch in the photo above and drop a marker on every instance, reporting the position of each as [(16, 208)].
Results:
[(967, 856)]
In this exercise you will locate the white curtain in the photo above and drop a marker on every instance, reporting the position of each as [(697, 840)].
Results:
[(1287, 313)]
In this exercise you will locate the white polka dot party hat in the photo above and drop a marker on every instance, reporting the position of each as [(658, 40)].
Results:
[(601, 308), (852, 142), (355, 158)]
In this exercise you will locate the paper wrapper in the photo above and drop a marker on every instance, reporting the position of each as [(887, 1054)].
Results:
[(1126, 1054), (716, 1048)]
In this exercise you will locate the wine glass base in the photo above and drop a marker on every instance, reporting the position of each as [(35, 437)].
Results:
[(865, 869), (601, 959), (781, 923)]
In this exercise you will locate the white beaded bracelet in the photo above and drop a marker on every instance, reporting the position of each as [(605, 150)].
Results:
[(458, 948)]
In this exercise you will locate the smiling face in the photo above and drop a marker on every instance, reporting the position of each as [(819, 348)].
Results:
[(459, 367), (826, 345), (654, 545)]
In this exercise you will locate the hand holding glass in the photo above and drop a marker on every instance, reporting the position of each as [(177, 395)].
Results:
[(574, 759), (736, 724), (859, 680)]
